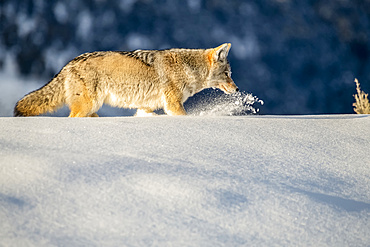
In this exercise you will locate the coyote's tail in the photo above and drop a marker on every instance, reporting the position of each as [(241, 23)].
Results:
[(46, 99)]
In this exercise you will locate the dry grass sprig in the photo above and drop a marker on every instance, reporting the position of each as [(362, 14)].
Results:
[(362, 105)]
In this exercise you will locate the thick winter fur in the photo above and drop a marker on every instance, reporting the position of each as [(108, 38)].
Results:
[(142, 79)]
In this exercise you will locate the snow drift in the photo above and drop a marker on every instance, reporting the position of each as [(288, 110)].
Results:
[(185, 181)]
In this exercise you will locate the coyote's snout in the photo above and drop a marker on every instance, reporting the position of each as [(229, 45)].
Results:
[(228, 86), (142, 79)]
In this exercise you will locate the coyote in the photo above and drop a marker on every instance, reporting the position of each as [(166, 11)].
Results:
[(144, 79)]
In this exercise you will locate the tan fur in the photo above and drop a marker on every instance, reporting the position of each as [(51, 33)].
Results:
[(142, 79)]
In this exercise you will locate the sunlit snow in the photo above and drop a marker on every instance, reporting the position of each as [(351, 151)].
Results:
[(185, 181)]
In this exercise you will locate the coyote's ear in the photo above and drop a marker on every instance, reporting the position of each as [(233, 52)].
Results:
[(219, 53)]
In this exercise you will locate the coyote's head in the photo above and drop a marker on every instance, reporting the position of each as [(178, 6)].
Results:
[(220, 71)]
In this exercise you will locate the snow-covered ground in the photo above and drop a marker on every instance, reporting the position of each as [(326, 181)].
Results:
[(185, 181)]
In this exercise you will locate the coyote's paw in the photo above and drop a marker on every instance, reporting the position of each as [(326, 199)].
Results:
[(144, 113)]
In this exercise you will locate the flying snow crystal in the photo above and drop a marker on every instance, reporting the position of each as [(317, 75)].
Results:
[(236, 104)]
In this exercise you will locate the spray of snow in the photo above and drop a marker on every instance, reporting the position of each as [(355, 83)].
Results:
[(236, 104)]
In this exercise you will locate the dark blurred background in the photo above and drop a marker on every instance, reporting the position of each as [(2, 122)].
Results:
[(299, 57)]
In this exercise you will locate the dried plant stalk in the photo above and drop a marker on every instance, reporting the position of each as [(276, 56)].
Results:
[(362, 105)]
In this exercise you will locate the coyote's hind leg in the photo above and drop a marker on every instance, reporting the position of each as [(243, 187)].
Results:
[(81, 105)]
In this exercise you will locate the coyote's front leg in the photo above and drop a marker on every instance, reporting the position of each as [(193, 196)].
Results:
[(173, 103)]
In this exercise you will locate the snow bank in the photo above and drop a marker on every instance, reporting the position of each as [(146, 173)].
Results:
[(185, 181)]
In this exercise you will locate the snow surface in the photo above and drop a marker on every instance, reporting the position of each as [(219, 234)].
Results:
[(185, 181)]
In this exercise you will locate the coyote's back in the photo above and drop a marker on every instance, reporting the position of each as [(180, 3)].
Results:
[(142, 79)]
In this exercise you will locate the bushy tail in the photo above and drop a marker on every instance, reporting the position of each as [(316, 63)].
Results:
[(46, 99)]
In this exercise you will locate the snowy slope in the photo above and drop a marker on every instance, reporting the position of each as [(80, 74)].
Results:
[(185, 181)]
